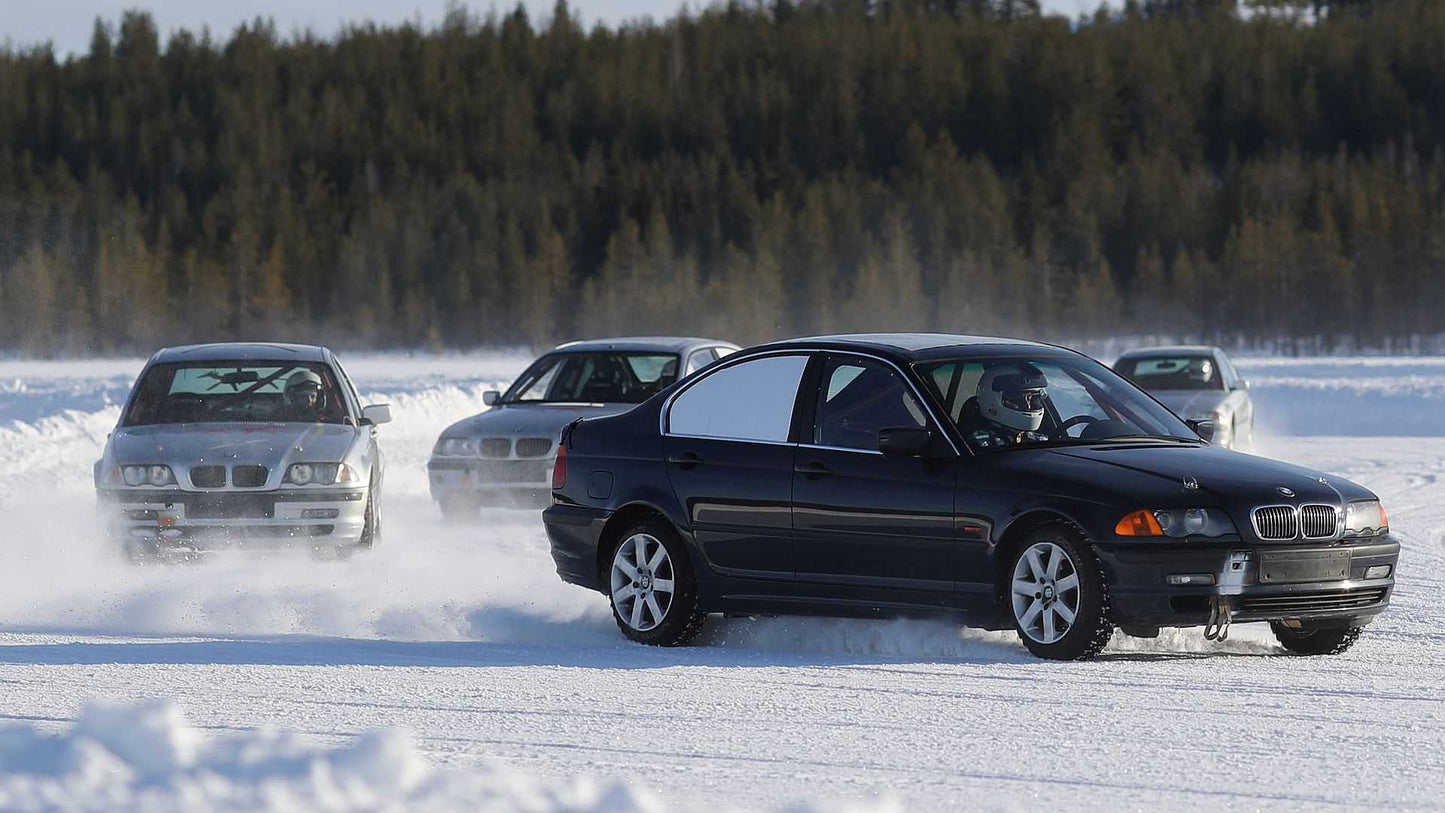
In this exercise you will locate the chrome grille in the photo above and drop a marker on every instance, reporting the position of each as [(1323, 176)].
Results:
[(533, 447), (208, 476), (1276, 522), (249, 476), (1318, 521), (495, 447)]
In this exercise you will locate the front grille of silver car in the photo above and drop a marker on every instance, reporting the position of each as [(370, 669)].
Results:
[(495, 447), (1318, 521), (249, 476), (533, 447), (208, 476), (1276, 522)]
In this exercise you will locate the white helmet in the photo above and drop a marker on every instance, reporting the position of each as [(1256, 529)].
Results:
[(304, 382), (1012, 395)]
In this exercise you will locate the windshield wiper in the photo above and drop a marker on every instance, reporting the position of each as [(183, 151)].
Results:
[(1137, 438)]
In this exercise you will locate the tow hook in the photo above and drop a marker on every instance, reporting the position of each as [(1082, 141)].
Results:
[(1217, 627), (1231, 583)]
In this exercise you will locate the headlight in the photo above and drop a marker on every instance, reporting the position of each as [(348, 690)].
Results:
[(155, 475), (321, 474), (1177, 523), (1366, 518), (456, 447)]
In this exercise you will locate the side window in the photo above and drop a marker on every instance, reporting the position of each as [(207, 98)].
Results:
[(858, 399), (700, 359), (955, 384), (748, 401), (1231, 376), (355, 397)]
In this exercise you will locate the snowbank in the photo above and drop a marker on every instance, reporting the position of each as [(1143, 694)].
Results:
[(147, 757)]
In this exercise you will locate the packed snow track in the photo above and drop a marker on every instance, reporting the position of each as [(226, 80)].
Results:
[(253, 681)]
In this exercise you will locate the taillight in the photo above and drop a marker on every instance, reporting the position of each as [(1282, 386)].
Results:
[(559, 468)]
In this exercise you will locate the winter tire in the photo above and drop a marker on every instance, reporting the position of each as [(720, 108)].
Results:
[(1057, 596), (652, 588), (1308, 640), (371, 525)]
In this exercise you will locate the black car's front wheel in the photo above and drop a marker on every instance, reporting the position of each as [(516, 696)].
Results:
[(1058, 597), (653, 591), (1311, 640)]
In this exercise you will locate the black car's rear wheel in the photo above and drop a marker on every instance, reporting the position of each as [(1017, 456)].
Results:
[(652, 588), (1057, 595), (1314, 640)]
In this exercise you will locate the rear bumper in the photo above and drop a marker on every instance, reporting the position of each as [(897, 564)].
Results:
[(573, 532), (1140, 593), (523, 482), (202, 521)]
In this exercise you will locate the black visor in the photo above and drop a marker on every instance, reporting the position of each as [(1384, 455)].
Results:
[(1023, 400)]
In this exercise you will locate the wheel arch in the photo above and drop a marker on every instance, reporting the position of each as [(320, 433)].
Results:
[(623, 518), (1012, 538)]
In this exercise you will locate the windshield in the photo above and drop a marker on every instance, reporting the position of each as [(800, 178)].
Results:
[(240, 391), (1172, 372), (593, 378), (1024, 401)]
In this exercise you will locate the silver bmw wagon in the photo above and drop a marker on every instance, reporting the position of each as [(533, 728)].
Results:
[(242, 445)]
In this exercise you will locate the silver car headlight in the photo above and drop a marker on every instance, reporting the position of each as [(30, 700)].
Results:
[(151, 474), (321, 474), (1366, 518), (456, 447)]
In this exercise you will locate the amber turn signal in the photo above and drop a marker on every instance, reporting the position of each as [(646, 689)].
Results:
[(1139, 523)]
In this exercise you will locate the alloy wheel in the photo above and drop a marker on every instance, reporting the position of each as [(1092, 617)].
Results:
[(642, 581), (1045, 592)]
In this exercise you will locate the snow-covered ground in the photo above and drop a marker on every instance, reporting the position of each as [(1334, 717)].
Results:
[(252, 682)]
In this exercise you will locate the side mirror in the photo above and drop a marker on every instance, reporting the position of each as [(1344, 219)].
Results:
[(375, 415), (491, 397), (1244, 383), (1204, 429), (906, 441)]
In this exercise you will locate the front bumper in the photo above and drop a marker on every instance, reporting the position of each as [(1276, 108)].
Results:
[(519, 481), (573, 532), (1140, 593), (215, 520)]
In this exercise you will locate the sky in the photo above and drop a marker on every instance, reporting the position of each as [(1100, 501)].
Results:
[(68, 23)]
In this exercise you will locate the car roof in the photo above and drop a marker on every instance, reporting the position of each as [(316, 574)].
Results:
[(240, 351), (1171, 350), (918, 346), (655, 344)]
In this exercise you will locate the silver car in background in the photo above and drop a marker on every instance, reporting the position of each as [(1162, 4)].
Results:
[(242, 445), (1197, 383), (504, 456)]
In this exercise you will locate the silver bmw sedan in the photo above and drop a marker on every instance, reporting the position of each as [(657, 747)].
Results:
[(242, 445), (503, 457)]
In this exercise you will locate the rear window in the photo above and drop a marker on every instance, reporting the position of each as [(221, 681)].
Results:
[(1172, 372), (232, 392)]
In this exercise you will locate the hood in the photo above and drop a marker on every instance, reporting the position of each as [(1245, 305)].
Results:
[(1127, 476), (1191, 403), (1231, 477), (273, 445), (529, 420)]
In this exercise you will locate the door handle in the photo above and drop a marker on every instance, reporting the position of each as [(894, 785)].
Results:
[(813, 469), (686, 460)]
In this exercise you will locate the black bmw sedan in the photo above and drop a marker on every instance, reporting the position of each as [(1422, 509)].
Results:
[(1005, 483)]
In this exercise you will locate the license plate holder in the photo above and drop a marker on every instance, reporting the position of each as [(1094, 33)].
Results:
[(1290, 567)]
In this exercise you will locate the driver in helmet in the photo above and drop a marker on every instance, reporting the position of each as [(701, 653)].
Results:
[(305, 398), (1009, 406)]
